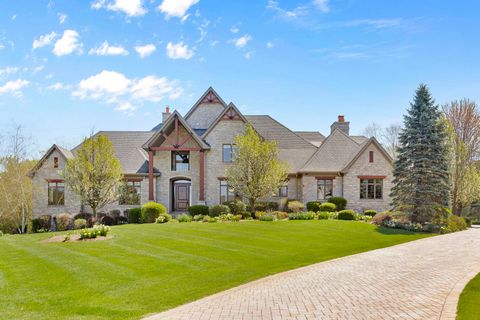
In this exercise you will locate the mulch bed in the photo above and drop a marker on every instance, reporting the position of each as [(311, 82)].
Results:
[(74, 238)]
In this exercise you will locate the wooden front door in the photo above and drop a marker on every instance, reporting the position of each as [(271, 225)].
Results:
[(182, 196)]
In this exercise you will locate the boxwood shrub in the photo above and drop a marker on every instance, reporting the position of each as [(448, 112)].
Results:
[(328, 207), (135, 215), (237, 207), (151, 211), (301, 216), (323, 215), (198, 209), (370, 213), (340, 202), (295, 206), (184, 218), (313, 206), (266, 206), (346, 215), (218, 210)]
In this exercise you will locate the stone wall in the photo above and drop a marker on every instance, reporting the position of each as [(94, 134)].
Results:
[(380, 167), (309, 186), (204, 115)]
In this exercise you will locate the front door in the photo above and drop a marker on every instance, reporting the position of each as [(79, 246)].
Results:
[(182, 196)]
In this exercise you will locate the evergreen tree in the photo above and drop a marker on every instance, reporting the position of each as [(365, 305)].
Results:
[(421, 170)]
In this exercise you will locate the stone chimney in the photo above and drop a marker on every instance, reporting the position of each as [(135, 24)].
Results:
[(166, 114), (341, 124)]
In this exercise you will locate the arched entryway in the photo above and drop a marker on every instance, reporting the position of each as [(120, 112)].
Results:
[(181, 190)]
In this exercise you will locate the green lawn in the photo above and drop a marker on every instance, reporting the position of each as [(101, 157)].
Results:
[(469, 304), (151, 268)]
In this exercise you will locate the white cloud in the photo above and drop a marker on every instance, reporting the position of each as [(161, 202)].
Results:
[(112, 87), (37, 69), (242, 41), (179, 51), (146, 50), (234, 29), (249, 54), (132, 8), (68, 44), (13, 17), (270, 45), (14, 87), (376, 23), (321, 5), (106, 49), (297, 12), (58, 86), (8, 70), (62, 17), (44, 40), (176, 8)]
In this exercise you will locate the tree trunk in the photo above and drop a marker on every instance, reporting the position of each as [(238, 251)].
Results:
[(252, 206)]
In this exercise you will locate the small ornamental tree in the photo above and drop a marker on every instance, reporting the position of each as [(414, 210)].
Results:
[(421, 170), (95, 174), (256, 172)]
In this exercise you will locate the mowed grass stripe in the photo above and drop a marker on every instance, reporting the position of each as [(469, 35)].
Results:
[(151, 268)]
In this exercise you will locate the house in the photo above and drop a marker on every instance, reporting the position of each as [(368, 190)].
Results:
[(182, 162)]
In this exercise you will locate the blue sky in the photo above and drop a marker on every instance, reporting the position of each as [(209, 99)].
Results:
[(70, 67)]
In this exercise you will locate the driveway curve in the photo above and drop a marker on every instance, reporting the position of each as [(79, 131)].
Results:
[(416, 280)]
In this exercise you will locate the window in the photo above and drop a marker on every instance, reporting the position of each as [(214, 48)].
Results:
[(180, 160), (55, 162), (130, 193), (229, 152), (56, 193), (324, 188), (371, 188), (227, 193), (370, 156), (283, 190)]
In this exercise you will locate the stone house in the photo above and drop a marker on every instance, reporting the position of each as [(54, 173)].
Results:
[(182, 162)]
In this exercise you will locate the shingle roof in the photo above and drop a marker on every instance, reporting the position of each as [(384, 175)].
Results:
[(359, 139), (314, 137), (271, 129), (128, 149), (334, 154)]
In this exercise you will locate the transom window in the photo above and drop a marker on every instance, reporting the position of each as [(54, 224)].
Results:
[(371, 188), (56, 193), (229, 152), (227, 193), (324, 189), (130, 193), (180, 160)]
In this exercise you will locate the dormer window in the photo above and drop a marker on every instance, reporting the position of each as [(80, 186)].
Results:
[(55, 162), (370, 157)]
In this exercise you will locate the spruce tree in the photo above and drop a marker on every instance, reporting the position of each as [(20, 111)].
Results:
[(421, 170)]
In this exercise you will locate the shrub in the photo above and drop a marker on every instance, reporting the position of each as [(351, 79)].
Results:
[(370, 213), (301, 216), (115, 213), (64, 222), (328, 207), (135, 215), (151, 211), (82, 215), (266, 206), (198, 210), (41, 224), (238, 207), (346, 215), (184, 218), (455, 223), (218, 210), (80, 224), (229, 217), (209, 219), (91, 233), (266, 217), (381, 218), (259, 214), (313, 206), (323, 215), (198, 217), (121, 220), (107, 220), (280, 215), (295, 206), (340, 202), (164, 218)]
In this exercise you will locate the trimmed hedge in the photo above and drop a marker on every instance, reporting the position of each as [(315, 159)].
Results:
[(370, 213), (135, 215), (340, 202), (328, 207), (198, 209), (237, 207), (107, 220), (266, 206), (184, 218), (301, 216), (313, 206), (346, 215), (323, 215), (218, 210), (151, 211)]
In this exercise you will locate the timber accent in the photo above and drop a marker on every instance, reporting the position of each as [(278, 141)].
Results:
[(371, 177)]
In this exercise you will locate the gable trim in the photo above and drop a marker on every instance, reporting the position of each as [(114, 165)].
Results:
[(199, 101), (221, 115), (371, 141), (40, 162)]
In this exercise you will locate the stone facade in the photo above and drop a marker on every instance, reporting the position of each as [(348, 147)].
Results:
[(204, 115)]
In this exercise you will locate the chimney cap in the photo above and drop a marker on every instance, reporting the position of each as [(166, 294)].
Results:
[(167, 109), (341, 118)]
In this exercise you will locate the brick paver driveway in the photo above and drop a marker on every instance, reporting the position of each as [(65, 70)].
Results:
[(416, 280)]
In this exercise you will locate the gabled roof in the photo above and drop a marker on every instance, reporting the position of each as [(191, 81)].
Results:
[(364, 147), (334, 153), (65, 153), (271, 129), (210, 90), (166, 125), (230, 106), (314, 137)]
